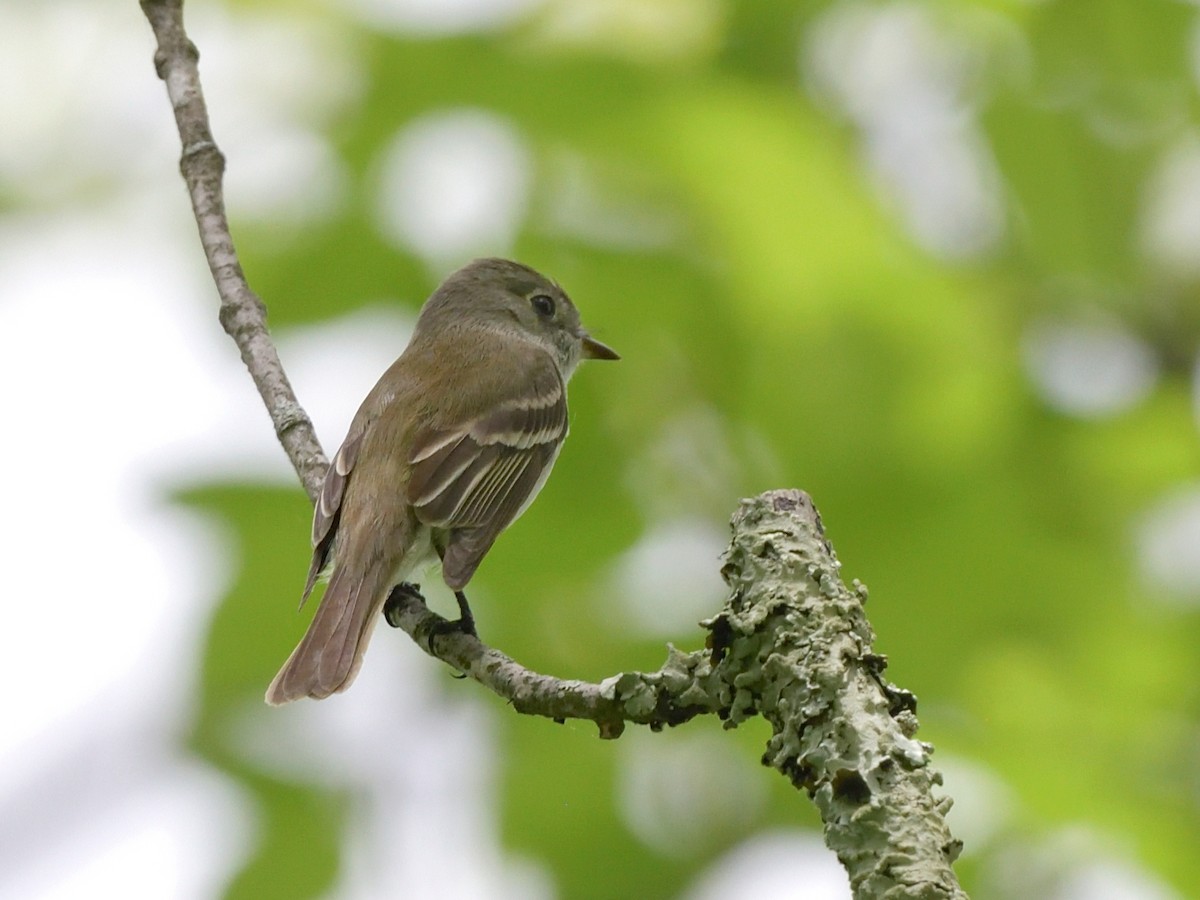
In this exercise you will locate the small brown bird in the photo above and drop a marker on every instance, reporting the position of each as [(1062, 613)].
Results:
[(447, 450)]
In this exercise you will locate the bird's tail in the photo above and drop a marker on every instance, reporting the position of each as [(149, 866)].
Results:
[(329, 655)]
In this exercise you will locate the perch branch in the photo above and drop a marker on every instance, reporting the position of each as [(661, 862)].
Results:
[(792, 643)]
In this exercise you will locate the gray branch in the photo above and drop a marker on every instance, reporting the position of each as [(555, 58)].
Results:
[(792, 643), (243, 315)]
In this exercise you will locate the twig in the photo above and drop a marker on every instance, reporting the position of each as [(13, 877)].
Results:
[(243, 315), (792, 643)]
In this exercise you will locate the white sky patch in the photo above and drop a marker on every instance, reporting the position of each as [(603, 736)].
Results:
[(903, 82), (1168, 546), (668, 581), (440, 16), (664, 31), (1090, 368), (81, 105), (112, 584), (782, 865), (60, 142), (1113, 880), (1170, 225), (984, 805), (264, 181), (417, 753), (1074, 863), (303, 73), (454, 185), (684, 793), (144, 845)]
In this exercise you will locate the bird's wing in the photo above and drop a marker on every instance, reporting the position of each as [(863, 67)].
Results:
[(473, 479), (329, 506)]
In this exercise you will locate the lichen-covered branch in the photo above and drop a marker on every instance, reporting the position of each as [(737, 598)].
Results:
[(792, 643), (243, 315), (840, 730)]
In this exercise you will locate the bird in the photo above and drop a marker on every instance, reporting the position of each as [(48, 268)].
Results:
[(447, 450)]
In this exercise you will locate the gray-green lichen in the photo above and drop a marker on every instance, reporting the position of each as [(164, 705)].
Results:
[(793, 645)]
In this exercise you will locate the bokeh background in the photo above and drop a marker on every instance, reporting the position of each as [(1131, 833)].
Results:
[(937, 263)]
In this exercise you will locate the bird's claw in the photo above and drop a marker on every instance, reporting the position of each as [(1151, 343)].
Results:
[(391, 606)]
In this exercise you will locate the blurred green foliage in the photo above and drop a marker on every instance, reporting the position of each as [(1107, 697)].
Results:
[(791, 304)]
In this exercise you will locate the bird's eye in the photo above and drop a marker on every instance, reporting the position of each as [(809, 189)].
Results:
[(542, 305)]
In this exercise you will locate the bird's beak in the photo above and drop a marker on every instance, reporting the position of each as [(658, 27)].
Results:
[(593, 349)]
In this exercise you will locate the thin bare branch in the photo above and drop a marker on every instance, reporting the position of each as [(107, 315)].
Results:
[(243, 315)]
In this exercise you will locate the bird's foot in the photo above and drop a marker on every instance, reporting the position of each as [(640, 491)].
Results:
[(400, 593), (464, 624), (466, 620)]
